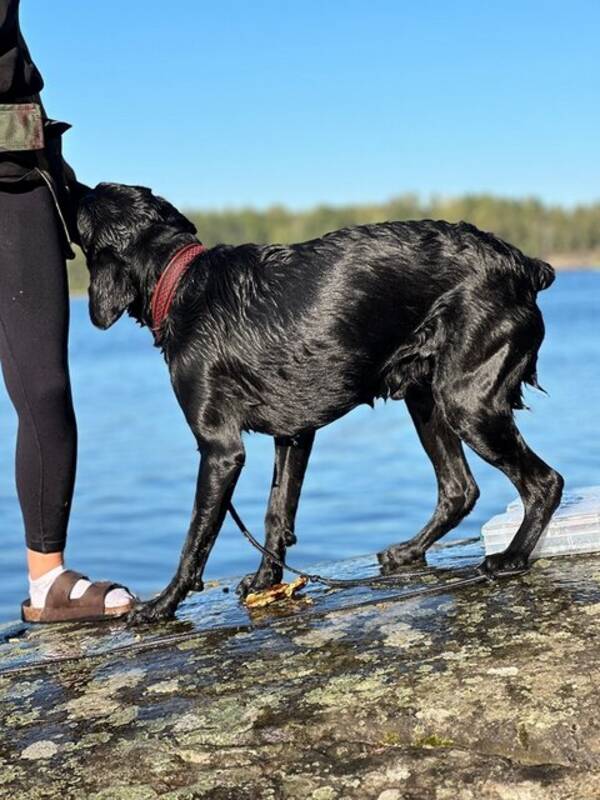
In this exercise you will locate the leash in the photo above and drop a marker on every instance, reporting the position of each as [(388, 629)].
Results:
[(380, 582)]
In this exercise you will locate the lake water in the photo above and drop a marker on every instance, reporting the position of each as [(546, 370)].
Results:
[(369, 483)]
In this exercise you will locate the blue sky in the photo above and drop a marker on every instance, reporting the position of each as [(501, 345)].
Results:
[(234, 103)]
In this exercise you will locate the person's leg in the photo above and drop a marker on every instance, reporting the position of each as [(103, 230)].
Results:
[(34, 320), (39, 564)]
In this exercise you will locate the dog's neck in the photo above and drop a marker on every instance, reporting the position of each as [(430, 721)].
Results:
[(152, 262)]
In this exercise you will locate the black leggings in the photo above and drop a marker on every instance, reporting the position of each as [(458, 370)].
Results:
[(34, 322)]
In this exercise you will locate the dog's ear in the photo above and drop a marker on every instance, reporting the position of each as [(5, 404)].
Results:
[(182, 223), (111, 290), (174, 218)]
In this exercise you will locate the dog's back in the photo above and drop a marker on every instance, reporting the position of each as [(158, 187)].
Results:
[(313, 329)]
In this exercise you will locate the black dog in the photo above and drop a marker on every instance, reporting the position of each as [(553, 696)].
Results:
[(285, 339)]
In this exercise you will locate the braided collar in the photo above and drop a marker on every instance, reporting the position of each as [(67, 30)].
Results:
[(164, 292)]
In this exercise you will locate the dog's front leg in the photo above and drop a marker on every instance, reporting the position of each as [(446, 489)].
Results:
[(221, 464), (291, 460)]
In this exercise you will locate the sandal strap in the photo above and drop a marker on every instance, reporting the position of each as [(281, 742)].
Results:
[(59, 593), (94, 596), (60, 607)]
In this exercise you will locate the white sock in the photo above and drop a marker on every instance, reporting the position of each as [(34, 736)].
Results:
[(38, 590)]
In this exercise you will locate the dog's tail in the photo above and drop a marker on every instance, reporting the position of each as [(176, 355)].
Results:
[(411, 364)]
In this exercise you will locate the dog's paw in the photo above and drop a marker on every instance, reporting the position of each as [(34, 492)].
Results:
[(394, 558), (246, 585), (257, 582), (500, 565), (150, 613)]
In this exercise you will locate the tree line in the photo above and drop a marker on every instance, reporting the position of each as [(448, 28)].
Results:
[(537, 228)]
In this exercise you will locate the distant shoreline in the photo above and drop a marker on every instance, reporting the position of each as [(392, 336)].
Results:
[(574, 261)]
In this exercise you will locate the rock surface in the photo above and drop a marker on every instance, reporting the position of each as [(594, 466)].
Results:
[(490, 691)]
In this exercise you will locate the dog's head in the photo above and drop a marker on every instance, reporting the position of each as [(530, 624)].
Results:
[(125, 232)]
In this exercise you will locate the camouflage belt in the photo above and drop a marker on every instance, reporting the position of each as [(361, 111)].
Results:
[(21, 127)]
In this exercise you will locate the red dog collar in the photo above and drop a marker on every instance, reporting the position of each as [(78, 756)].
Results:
[(164, 292)]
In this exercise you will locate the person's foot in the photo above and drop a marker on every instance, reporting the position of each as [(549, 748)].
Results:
[(39, 588)]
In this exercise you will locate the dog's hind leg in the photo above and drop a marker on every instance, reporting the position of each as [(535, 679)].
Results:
[(496, 438), (291, 459), (480, 411), (457, 490)]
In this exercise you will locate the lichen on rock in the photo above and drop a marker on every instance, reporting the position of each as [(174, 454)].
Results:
[(490, 693)]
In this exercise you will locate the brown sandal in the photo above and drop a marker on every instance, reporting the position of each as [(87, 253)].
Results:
[(89, 607)]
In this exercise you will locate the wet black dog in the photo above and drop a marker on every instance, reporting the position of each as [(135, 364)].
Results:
[(285, 339)]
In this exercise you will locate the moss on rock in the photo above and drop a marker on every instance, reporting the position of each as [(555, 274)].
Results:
[(487, 694)]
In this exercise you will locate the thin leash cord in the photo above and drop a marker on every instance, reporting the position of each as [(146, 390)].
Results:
[(384, 581)]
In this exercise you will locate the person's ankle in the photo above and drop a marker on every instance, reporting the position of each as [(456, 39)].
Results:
[(39, 564)]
